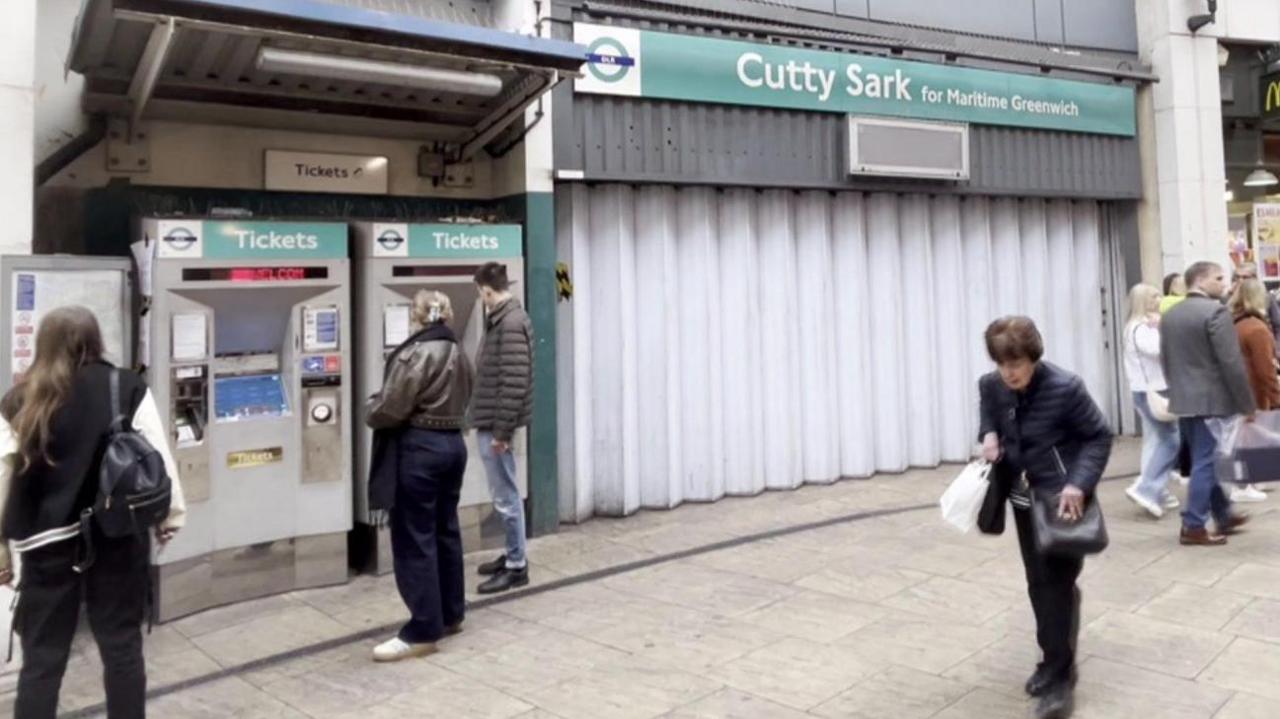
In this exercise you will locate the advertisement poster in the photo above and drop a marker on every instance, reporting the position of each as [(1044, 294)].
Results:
[(1266, 240), (1238, 247)]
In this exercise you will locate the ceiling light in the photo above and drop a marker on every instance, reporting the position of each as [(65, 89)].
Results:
[(1229, 196), (1261, 177), (336, 67)]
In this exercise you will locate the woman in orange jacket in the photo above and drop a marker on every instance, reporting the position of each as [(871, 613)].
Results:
[(1249, 306)]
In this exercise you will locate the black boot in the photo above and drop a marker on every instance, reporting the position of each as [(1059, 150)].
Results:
[(1058, 703), (488, 569), (1043, 680), (505, 579)]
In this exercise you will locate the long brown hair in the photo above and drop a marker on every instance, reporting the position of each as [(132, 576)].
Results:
[(69, 338)]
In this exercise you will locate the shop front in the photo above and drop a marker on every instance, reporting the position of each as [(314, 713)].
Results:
[(1251, 140), (784, 247)]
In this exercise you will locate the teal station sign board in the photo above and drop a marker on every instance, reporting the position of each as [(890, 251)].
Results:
[(448, 241), (238, 240), (640, 63)]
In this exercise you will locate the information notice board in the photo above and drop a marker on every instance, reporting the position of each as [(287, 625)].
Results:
[(38, 292)]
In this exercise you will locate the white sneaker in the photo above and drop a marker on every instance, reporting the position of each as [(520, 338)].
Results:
[(1171, 501), (1248, 493), (1152, 508), (395, 649)]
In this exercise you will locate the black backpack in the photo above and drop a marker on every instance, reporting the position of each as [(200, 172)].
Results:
[(133, 486)]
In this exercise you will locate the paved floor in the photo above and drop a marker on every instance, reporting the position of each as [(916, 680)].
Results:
[(888, 616)]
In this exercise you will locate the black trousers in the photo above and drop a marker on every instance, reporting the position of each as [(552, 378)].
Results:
[(426, 541), (1055, 599), (114, 591), (1184, 458)]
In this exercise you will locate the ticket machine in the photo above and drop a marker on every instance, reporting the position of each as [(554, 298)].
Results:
[(249, 360), (394, 262)]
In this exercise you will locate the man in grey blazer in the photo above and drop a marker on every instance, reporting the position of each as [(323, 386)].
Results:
[(1207, 382)]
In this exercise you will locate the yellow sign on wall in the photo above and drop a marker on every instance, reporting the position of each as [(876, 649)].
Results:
[(254, 457), (1271, 96)]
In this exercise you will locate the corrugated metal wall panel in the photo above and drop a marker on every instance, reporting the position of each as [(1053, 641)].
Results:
[(469, 12), (636, 140), (724, 342)]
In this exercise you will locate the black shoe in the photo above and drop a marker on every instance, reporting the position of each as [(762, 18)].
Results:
[(488, 569), (505, 579), (1042, 681), (1059, 703)]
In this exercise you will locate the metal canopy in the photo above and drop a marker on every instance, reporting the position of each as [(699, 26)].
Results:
[(198, 60)]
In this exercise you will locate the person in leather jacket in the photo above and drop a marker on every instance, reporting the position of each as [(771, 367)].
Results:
[(416, 479), (1045, 434)]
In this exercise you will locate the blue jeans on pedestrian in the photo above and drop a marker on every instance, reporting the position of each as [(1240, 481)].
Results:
[(1160, 444), (501, 470), (1205, 497)]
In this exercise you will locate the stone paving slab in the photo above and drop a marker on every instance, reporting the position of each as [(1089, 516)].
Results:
[(892, 616)]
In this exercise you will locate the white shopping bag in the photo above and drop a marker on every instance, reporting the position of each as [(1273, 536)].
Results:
[(962, 501)]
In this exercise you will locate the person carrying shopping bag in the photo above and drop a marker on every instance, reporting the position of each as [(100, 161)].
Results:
[(1249, 307), (1050, 440)]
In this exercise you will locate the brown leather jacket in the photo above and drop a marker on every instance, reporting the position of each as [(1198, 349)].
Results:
[(428, 386)]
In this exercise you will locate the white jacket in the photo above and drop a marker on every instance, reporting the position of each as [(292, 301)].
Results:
[(1142, 357)]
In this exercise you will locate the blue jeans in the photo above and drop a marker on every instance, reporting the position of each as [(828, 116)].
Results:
[(1160, 444), (1205, 497), (501, 470)]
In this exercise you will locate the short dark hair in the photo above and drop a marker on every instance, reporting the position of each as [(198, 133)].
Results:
[(494, 276), (1014, 338), (1198, 271), (1167, 287)]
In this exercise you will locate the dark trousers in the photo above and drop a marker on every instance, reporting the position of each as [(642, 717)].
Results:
[(1184, 458), (114, 591), (1055, 599), (426, 542)]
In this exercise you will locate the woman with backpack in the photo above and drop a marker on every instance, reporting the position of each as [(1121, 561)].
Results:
[(415, 480), (55, 426)]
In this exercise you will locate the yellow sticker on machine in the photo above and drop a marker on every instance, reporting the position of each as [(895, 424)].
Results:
[(254, 457)]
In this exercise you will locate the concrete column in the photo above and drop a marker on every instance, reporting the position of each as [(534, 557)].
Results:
[(17, 124), (524, 181), (1185, 113), (17, 193)]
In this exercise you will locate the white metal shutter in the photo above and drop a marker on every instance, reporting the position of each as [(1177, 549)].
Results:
[(724, 342)]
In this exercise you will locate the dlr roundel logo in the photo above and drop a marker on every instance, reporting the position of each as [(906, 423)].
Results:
[(608, 60)]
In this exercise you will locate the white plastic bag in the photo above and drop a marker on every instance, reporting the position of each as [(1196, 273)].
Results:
[(963, 499), (1226, 431), (1247, 451)]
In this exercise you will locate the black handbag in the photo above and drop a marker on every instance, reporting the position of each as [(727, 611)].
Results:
[(992, 515), (1059, 537)]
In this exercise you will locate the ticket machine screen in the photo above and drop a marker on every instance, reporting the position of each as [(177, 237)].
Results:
[(249, 397)]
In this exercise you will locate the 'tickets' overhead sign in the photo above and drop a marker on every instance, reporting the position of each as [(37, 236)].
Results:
[(640, 63), (447, 241), (207, 239), (1270, 96), (325, 172)]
